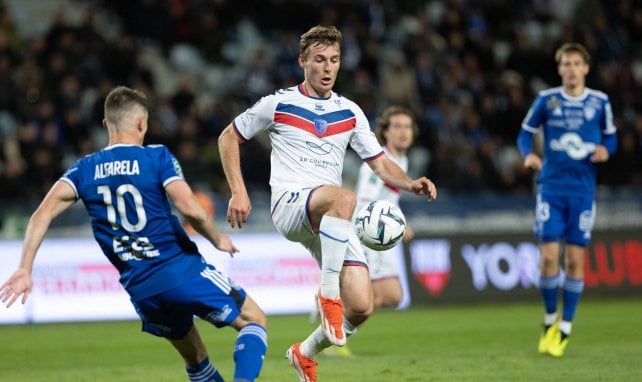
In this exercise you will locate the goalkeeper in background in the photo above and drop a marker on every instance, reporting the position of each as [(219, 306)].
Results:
[(577, 124)]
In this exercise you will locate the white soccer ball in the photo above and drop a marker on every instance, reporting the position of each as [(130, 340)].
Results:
[(380, 225)]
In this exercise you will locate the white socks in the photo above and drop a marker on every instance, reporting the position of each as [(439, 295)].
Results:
[(333, 233), (565, 327), (550, 318), (317, 341)]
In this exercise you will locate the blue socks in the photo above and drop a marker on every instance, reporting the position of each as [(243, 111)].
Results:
[(549, 287), (249, 351), (571, 293), (204, 372)]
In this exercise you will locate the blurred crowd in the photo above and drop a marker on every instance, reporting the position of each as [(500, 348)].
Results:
[(469, 70)]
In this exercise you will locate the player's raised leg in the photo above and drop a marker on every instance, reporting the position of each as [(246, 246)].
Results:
[(332, 207)]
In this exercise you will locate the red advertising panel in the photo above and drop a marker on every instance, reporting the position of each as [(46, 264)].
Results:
[(471, 267)]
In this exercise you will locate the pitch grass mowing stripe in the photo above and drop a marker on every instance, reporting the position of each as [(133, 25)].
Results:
[(442, 343)]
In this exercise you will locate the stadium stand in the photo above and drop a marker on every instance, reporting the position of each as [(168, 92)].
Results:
[(468, 69)]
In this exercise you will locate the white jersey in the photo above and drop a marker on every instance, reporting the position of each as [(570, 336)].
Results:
[(370, 187), (309, 136)]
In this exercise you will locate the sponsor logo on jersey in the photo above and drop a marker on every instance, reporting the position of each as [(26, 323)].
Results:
[(321, 149), (573, 146)]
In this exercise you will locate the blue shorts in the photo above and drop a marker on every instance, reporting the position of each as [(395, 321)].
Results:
[(566, 218), (210, 295)]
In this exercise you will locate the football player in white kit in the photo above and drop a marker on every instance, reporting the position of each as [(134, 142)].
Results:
[(396, 131), (310, 127)]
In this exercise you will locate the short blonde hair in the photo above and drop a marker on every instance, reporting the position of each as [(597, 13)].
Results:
[(324, 35), (572, 47)]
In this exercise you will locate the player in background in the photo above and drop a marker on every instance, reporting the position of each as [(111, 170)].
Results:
[(578, 130), (310, 127), (124, 188), (396, 130)]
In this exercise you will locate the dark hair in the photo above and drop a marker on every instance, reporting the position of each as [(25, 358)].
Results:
[(575, 48), (122, 100), (383, 122), (324, 35)]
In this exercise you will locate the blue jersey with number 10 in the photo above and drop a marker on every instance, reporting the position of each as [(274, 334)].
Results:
[(123, 189), (573, 127)]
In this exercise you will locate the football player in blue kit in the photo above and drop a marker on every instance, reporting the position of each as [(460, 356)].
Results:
[(578, 130), (124, 188)]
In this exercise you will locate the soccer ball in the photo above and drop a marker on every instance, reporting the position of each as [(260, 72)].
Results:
[(380, 225)]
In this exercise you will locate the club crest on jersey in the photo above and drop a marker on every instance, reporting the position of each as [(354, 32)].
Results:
[(589, 113), (320, 126)]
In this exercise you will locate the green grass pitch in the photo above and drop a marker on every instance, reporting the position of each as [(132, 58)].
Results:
[(440, 343)]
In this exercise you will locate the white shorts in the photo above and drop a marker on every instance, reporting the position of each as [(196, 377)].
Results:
[(382, 264), (291, 217)]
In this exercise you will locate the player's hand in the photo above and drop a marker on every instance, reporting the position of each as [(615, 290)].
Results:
[(224, 243), (18, 284), (533, 162), (238, 210), (423, 186), (601, 154)]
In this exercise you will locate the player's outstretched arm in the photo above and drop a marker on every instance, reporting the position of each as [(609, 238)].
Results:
[(60, 197), (187, 204), (391, 173), (239, 207)]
